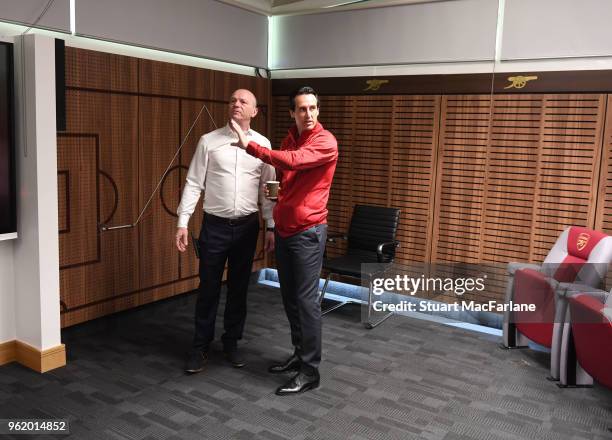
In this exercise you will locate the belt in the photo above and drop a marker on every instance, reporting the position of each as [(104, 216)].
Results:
[(234, 221)]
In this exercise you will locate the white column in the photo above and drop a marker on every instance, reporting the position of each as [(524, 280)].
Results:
[(7, 292), (36, 251)]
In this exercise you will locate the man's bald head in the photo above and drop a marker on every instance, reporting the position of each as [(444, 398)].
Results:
[(248, 92), (242, 107)]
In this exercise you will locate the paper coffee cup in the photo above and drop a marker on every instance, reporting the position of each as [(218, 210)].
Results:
[(272, 187)]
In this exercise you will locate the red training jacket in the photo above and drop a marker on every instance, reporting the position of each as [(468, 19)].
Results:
[(307, 164)]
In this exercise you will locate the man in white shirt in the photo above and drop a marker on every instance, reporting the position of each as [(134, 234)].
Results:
[(232, 182)]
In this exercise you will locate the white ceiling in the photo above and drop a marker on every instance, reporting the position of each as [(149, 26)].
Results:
[(290, 7)]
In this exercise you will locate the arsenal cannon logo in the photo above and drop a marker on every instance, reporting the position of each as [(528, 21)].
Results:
[(582, 241)]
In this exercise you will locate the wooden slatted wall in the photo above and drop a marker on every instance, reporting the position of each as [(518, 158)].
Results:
[(413, 159), (512, 175), (479, 180), (371, 150), (508, 187), (461, 175), (512, 170), (125, 119), (603, 219), (570, 154)]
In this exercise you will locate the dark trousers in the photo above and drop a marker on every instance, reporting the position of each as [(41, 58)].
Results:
[(299, 259), (221, 241)]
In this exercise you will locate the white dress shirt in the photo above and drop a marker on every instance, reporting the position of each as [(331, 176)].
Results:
[(231, 179)]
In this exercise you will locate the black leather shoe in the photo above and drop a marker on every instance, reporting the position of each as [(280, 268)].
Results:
[(196, 360), (291, 365), (301, 382), (234, 358)]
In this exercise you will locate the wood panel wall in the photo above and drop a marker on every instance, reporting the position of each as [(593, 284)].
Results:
[(125, 119), (513, 173), (604, 198), (478, 178)]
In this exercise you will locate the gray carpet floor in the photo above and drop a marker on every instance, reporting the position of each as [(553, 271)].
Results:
[(406, 379)]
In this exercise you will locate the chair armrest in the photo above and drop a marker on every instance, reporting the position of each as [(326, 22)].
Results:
[(513, 267), (381, 246), (570, 289), (338, 236)]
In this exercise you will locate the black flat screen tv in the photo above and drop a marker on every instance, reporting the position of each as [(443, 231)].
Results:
[(8, 211)]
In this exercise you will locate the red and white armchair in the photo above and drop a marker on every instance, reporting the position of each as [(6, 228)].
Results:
[(577, 262), (587, 342)]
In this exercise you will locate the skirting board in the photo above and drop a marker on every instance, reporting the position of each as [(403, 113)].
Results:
[(7, 352), (33, 358)]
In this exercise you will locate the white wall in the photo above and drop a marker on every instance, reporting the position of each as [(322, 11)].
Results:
[(9, 31), (36, 251), (57, 17), (429, 38), (432, 32), (538, 35), (557, 28), (199, 27), (7, 292), (203, 28)]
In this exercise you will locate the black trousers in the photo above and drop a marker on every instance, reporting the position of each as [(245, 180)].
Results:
[(299, 259), (222, 241)]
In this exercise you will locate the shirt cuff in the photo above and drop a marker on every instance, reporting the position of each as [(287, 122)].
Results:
[(183, 221)]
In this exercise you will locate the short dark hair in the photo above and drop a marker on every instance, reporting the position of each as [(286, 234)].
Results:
[(302, 91)]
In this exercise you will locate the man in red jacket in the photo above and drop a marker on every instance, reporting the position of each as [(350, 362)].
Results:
[(307, 161)]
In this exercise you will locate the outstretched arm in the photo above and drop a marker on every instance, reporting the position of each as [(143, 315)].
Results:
[(322, 150)]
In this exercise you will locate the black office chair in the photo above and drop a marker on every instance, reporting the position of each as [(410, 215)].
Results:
[(371, 239)]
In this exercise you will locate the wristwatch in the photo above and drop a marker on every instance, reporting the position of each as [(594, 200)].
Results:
[(270, 229)]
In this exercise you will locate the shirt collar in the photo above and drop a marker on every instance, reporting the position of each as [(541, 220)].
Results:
[(230, 132)]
